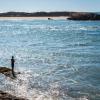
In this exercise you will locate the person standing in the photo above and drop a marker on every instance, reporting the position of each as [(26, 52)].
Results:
[(12, 65)]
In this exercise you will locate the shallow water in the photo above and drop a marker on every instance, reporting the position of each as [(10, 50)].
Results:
[(58, 59)]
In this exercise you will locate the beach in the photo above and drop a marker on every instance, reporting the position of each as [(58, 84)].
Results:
[(34, 18)]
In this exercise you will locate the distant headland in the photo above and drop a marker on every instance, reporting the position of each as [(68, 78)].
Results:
[(69, 15)]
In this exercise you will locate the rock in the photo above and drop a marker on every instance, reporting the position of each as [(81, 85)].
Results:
[(50, 19), (7, 96), (84, 16), (8, 72), (5, 71)]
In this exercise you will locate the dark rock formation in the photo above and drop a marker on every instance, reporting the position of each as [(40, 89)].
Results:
[(5, 71), (50, 19), (7, 96), (8, 72), (84, 16)]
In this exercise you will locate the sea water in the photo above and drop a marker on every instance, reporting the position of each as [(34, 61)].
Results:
[(57, 59)]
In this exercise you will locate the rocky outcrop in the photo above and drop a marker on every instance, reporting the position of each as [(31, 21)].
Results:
[(3, 95), (84, 16), (7, 96), (50, 19), (7, 72)]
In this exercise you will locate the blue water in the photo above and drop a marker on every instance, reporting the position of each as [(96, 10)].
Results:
[(58, 59)]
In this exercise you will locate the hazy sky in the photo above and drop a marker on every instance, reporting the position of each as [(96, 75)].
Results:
[(49, 5)]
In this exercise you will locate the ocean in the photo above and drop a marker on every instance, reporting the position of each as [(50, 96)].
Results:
[(57, 59)]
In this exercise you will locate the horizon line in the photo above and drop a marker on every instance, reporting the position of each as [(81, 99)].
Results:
[(48, 11)]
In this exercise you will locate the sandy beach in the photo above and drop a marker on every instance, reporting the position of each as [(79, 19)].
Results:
[(34, 18)]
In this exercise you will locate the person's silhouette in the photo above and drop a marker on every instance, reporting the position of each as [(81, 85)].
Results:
[(12, 65)]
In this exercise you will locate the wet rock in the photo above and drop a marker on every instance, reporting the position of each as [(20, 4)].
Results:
[(5, 71), (7, 96), (50, 19), (8, 72)]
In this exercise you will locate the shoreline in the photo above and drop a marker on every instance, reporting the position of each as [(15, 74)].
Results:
[(35, 18)]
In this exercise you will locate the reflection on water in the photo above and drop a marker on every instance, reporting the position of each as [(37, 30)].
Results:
[(58, 60)]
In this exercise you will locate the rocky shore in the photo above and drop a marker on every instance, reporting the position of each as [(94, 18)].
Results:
[(3, 95), (84, 16)]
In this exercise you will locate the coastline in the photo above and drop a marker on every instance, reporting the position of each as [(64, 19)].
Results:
[(35, 18), (51, 15)]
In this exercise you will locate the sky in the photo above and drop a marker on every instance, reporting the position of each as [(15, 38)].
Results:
[(49, 5)]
